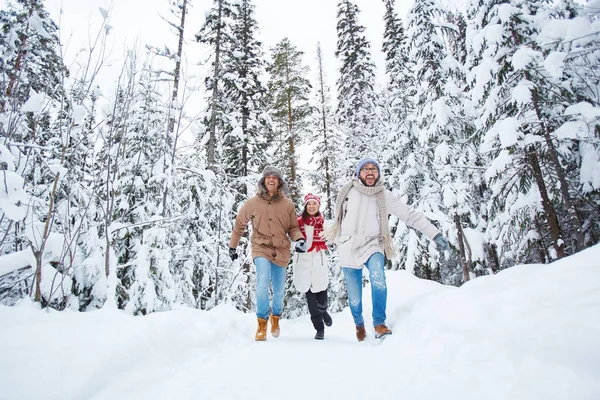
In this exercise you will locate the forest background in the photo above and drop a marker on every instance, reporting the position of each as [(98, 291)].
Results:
[(122, 193)]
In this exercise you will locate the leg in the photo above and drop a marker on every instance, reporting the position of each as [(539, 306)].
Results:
[(278, 280), (354, 284), (322, 301), (263, 278), (378, 287), (313, 308), (322, 304)]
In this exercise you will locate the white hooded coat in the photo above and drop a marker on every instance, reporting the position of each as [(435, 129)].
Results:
[(360, 229)]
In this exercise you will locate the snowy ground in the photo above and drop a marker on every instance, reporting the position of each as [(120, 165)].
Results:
[(530, 332)]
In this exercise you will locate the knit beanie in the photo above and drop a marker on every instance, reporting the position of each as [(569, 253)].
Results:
[(363, 162), (314, 197), (272, 170)]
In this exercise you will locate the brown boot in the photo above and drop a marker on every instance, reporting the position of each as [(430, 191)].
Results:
[(274, 325), (361, 333), (261, 332), (382, 330)]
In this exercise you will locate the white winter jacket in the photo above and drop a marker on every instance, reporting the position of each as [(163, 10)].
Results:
[(311, 270), (363, 207)]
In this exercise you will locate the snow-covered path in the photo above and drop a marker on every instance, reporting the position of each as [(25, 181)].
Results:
[(530, 332)]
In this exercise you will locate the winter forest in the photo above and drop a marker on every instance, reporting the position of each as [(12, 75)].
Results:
[(488, 123)]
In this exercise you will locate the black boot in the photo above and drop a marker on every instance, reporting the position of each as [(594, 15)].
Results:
[(327, 319), (320, 335)]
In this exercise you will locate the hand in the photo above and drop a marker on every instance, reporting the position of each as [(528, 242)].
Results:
[(441, 243), (233, 254), (301, 246)]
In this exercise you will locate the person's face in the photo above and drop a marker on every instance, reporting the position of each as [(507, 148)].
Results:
[(271, 183), (312, 207), (369, 174)]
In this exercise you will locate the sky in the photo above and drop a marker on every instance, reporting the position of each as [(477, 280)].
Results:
[(530, 332)]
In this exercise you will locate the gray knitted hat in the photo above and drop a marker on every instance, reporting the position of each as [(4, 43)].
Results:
[(271, 170), (365, 161)]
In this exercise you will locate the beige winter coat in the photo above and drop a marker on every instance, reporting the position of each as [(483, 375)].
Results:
[(273, 224), (364, 208)]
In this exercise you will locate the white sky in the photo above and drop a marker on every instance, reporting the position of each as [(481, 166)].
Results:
[(530, 332)]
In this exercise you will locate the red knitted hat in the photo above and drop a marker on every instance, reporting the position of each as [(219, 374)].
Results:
[(314, 197)]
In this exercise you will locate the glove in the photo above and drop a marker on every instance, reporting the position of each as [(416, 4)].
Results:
[(301, 246), (441, 243), (233, 254)]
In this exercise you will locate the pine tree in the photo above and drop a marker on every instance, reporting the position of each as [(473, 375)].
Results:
[(326, 143), (355, 86), (519, 112), (429, 131), (289, 91), (216, 32), (244, 144)]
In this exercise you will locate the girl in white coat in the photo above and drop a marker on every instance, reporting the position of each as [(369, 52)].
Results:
[(311, 274)]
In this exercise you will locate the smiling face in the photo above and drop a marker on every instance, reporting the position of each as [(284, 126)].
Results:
[(369, 174), (312, 208), (271, 184)]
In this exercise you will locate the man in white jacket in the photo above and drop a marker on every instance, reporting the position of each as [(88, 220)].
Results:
[(363, 236)]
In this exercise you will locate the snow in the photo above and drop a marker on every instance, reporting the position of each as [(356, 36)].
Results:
[(529, 332), (507, 130), (524, 57), (15, 261), (35, 103), (578, 31), (554, 64), (522, 92)]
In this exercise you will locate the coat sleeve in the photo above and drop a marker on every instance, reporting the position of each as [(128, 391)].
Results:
[(294, 230), (410, 217), (241, 222), (301, 224)]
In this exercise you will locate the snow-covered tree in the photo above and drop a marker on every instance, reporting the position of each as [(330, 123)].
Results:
[(355, 86), (244, 143), (289, 92), (326, 143)]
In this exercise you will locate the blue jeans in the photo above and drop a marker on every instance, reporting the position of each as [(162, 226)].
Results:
[(267, 272), (378, 290)]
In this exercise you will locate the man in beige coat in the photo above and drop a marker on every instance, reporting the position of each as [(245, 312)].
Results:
[(363, 236), (273, 218)]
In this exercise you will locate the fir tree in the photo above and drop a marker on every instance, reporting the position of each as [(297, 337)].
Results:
[(326, 143), (289, 91), (355, 86)]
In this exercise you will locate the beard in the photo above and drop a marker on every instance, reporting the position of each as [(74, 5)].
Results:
[(364, 181)]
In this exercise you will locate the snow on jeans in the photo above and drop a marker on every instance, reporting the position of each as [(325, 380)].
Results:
[(353, 277), (267, 273)]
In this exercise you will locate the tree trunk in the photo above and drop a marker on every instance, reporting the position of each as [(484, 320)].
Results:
[(560, 173), (328, 207), (492, 257), (174, 96), (551, 217), (464, 258), (212, 141), (290, 120)]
